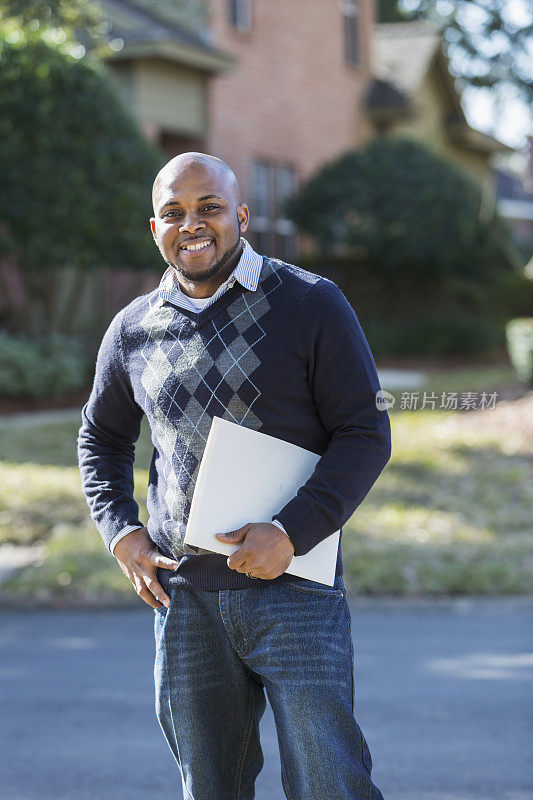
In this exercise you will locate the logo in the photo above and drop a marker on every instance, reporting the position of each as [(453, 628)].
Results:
[(384, 400)]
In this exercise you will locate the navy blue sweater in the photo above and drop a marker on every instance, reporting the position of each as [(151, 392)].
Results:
[(288, 359)]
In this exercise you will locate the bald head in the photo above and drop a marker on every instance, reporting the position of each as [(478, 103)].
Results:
[(199, 219), (204, 167)]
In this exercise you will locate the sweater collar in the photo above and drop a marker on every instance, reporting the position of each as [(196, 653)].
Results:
[(247, 272)]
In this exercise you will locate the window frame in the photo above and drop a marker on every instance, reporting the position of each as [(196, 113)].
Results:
[(271, 224), (240, 15), (351, 21)]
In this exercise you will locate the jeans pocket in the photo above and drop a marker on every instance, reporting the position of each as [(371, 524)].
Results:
[(367, 758), (347, 611), (314, 587)]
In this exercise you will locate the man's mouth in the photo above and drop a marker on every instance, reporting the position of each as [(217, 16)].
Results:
[(196, 246)]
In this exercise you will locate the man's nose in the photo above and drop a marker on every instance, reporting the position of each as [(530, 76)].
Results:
[(191, 222)]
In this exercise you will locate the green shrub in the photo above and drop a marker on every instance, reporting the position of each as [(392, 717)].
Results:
[(430, 316), (76, 175), (513, 295), (76, 171), (411, 213), (520, 346), (398, 228), (46, 367), (426, 335)]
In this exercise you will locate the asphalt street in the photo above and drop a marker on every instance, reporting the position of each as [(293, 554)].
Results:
[(443, 695)]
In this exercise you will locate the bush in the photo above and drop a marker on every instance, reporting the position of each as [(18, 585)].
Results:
[(76, 175), (513, 294), (76, 171), (41, 367), (520, 347), (406, 210), (426, 335), (435, 316), (398, 228)]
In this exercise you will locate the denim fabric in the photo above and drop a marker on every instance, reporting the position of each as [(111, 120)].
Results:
[(217, 652)]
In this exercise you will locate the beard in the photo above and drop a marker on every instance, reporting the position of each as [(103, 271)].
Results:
[(215, 269)]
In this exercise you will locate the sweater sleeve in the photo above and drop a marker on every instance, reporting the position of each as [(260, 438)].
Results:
[(343, 379), (111, 422)]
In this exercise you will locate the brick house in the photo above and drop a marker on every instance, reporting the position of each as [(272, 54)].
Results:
[(274, 89), (277, 89), (293, 100)]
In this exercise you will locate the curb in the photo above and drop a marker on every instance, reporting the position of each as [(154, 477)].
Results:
[(456, 605)]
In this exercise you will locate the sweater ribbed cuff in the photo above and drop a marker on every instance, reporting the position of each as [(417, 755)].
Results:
[(301, 528)]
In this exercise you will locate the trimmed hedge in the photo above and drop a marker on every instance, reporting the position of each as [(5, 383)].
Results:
[(76, 171), (407, 210), (41, 367), (399, 229), (432, 317)]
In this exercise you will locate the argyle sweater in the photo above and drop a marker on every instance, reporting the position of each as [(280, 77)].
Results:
[(288, 359)]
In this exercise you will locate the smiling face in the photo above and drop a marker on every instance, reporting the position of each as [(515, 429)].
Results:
[(198, 221)]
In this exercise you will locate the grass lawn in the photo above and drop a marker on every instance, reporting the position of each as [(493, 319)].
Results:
[(451, 513)]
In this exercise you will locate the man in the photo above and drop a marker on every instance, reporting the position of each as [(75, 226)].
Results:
[(278, 349)]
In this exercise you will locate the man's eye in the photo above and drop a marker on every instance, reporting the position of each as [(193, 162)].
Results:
[(171, 213), (211, 206)]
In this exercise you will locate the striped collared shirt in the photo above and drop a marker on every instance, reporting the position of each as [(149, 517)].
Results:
[(246, 272)]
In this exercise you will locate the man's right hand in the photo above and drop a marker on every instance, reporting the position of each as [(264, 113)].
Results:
[(139, 559)]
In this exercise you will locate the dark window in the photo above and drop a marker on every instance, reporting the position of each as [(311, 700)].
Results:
[(350, 10), (240, 14), (270, 230), (173, 144)]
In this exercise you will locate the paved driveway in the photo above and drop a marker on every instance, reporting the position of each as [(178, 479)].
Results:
[(443, 694)]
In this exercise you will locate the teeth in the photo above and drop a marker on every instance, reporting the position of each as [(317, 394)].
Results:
[(199, 246)]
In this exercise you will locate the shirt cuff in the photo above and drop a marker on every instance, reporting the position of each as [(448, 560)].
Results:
[(278, 524), (120, 535)]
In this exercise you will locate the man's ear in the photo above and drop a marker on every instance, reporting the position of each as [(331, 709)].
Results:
[(152, 227), (243, 215)]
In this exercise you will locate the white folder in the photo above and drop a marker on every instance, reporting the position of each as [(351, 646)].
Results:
[(248, 476)]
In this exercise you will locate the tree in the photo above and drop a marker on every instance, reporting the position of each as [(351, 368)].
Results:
[(400, 229), (489, 41), (403, 208), (72, 17), (76, 175)]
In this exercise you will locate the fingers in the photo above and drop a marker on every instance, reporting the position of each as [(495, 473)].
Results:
[(164, 562), (148, 588), (237, 560), (156, 591), (245, 560), (151, 591), (141, 570), (234, 537), (240, 564)]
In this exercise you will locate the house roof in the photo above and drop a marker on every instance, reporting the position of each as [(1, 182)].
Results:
[(404, 52), (145, 33)]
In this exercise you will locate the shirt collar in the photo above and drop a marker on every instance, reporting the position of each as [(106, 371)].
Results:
[(247, 272)]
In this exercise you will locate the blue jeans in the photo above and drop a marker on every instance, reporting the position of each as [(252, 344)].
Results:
[(216, 654)]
